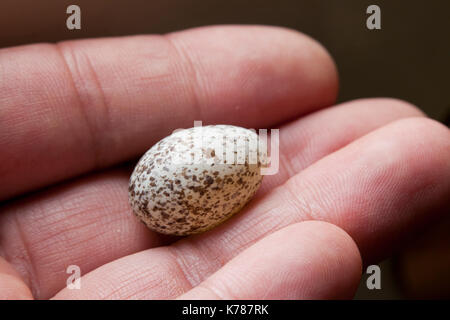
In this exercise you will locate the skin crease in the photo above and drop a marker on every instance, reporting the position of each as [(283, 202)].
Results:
[(361, 166)]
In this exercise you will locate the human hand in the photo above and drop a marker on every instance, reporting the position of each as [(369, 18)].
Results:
[(376, 168)]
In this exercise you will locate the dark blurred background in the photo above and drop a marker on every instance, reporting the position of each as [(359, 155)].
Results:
[(409, 58)]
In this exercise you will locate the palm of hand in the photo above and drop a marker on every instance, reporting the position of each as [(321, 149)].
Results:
[(376, 168)]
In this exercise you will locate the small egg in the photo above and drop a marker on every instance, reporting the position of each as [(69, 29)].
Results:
[(195, 179)]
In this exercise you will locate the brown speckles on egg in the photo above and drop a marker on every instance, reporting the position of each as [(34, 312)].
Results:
[(182, 198), (208, 180)]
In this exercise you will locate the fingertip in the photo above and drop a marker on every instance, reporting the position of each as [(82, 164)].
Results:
[(306, 260), (279, 59), (337, 259)]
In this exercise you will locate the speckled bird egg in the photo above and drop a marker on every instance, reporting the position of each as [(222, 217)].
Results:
[(196, 178)]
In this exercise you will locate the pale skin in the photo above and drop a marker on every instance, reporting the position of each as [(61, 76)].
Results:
[(356, 179)]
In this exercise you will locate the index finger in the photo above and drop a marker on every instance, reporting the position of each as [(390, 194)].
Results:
[(80, 105)]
